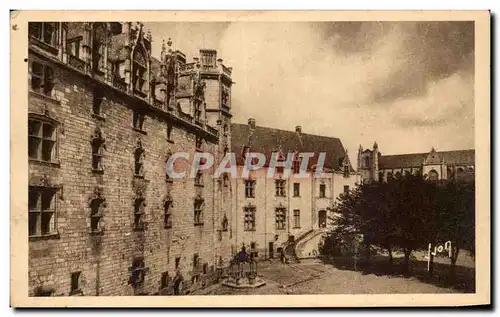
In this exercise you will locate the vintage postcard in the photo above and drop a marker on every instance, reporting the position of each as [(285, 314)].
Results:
[(250, 158)]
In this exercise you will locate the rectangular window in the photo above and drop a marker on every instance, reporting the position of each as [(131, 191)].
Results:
[(280, 218), (280, 188), (164, 280), (198, 212), (138, 274), (249, 218), (139, 212), (98, 147), (250, 189), (138, 121), (296, 189), (73, 46), (177, 263), (42, 79), (346, 189), (139, 78), (41, 140), (322, 191), (198, 180), (167, 215), (97, 101), (45, 32), (296, 218), (42, 208), (75, 282)]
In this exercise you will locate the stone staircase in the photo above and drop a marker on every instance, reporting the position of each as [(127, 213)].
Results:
[(307, 246), (291, 247)]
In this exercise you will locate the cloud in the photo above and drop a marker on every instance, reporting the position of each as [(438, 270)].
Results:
[(359, 81)]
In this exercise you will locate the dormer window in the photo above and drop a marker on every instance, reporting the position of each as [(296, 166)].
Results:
[(45, 32), (98, 48), (197, 110), (139, 76)]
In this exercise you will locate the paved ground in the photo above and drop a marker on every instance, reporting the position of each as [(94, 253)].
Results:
[(314, 277)]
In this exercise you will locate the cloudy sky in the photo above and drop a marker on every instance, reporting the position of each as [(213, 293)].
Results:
[(407, 85)]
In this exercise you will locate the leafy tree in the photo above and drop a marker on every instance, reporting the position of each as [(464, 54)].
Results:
[(455, 218)]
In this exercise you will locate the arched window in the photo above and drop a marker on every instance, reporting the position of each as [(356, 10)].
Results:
[(460, 173), (140, 74), (98, 48), (367, 161), (433, 175)]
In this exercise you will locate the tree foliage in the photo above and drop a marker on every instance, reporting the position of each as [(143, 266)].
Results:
[(406, 213)]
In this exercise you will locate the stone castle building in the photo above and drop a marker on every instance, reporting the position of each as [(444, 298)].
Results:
[(104, 116), (444, 165), (104, 218), (281, 211)]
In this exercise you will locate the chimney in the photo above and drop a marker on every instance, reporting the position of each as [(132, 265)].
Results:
[(298, 129), (251, 123)]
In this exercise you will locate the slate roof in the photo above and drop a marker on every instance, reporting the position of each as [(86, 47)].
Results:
[(265, 140), (465, 157)]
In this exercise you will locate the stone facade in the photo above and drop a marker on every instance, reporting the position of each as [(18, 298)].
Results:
[(436, 166), (271, 212), (104, 115)]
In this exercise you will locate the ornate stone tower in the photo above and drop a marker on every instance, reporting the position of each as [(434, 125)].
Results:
[(218, 82)]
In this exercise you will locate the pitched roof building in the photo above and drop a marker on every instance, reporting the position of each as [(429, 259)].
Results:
[(268, 140), (286, 212)]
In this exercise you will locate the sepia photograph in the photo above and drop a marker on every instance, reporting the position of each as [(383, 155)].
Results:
[(191, 156)]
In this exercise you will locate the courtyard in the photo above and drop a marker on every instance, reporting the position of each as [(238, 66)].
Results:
[(311, 276)]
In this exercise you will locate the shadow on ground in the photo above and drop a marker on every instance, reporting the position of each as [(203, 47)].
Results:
[(463, 280)]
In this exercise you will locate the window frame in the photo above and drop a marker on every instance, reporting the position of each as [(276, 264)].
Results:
[(249, 188), (346, 190), (41, 139), (280, 188), (139, 212), (322, 191), (140, 73), (249, 218), (46, 79), (78, 289), (280, 218), (296, 218), (296, 189), (198, 212), (41, 37), (38, 211)]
